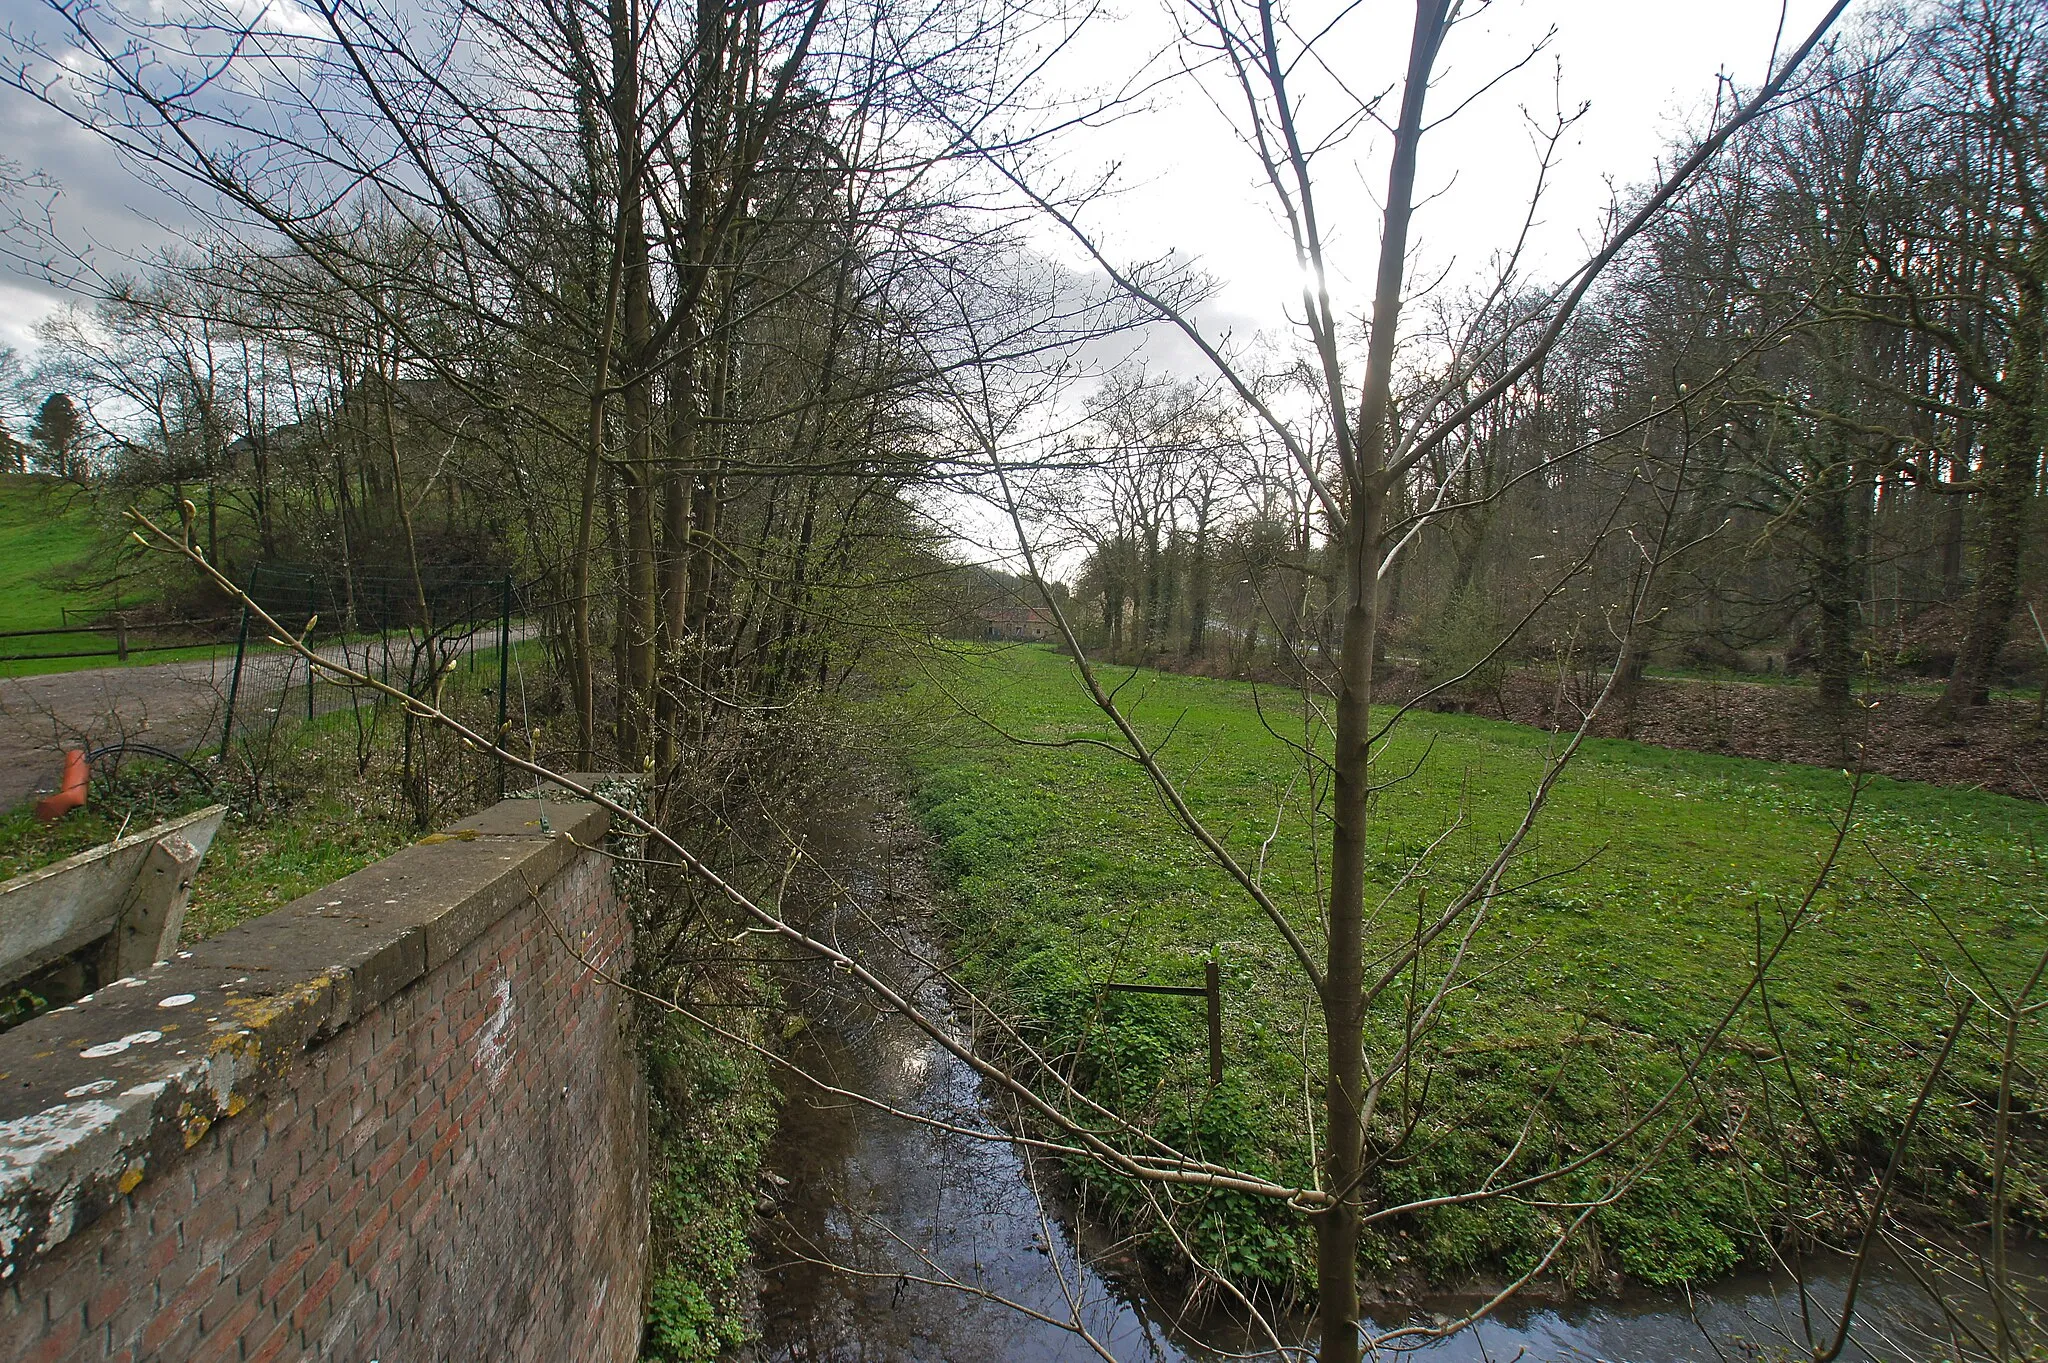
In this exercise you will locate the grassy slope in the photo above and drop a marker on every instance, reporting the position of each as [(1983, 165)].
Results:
[(1069, 870), (46, 527), (50, 532)]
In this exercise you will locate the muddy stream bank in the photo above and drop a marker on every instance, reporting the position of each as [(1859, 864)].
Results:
[(890, 1239)]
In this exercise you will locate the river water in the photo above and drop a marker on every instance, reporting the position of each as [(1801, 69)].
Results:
[(891, 1238)]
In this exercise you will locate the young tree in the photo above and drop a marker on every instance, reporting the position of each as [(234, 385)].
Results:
[(1377, 446)]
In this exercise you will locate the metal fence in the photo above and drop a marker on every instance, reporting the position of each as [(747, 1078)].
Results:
[(416, 634)]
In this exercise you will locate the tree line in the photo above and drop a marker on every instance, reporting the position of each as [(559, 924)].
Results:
[(1828, 350)]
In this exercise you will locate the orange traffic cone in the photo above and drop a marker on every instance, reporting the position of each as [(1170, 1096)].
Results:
[(76, 776)]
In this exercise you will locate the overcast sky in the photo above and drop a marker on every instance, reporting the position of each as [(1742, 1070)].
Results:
[(1648, 67)]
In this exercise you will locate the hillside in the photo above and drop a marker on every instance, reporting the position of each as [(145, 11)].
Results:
[(55, 550), (47, 531)]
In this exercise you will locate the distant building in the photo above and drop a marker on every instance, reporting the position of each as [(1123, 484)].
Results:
[(1016, 621)]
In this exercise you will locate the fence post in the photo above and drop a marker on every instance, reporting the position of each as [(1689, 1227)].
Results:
[(120, 637), (1212, 979), (504, 671), (227, 728)]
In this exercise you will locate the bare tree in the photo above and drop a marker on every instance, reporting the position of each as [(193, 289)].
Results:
[(1377, 445)]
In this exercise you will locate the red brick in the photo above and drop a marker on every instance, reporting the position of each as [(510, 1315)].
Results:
[(362, 1247), (233, 1316), (316, 1296), (62, 1338), (284, 1273), (353, 1199), (276, 1338)]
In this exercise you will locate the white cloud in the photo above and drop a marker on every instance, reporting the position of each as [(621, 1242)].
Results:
[(21, 307), (1646, 66)]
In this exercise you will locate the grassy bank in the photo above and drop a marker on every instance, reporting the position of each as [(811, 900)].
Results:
[(1651, 876), (711, 1114), (47, 529)]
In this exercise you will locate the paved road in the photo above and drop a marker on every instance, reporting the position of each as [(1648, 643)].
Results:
[(171, 705)]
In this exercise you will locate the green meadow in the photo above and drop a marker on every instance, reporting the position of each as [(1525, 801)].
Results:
[(1651, 879), (53, 543)]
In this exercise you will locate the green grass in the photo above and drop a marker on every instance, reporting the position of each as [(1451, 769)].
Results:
[(48, 531), (141, 794), (1649, 879), (47, 527), (53, 544), (43, 667), (259, 860), (262, 863), (711, 1115)]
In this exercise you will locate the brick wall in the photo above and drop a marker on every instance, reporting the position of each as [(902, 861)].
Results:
[(396, 1120)]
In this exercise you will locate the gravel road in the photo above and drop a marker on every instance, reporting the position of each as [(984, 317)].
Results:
[(171, 705)]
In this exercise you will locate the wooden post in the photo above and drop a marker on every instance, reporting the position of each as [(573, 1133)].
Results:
[(154, 910), (120, 637), (1213, 982)]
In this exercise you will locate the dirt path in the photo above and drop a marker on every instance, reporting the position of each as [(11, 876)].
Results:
[(171, 705)]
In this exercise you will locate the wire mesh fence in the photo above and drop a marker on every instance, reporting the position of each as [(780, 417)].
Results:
[(445, 635)]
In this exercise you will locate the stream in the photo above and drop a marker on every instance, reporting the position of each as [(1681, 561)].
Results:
[(890, 1238)]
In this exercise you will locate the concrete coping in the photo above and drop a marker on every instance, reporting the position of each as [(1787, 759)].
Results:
[(110, 1091)]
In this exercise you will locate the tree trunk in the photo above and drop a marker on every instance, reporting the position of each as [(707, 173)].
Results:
[(678, 486), (1150, 624), (637, 610), (1344, 976), (1952, 514), (1835, 594), (598, 261), (2012, 453)]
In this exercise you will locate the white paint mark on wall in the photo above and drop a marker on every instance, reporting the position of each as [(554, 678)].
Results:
[(494, 1043)]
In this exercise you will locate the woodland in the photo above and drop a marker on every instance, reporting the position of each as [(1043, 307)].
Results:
[(777, 353)]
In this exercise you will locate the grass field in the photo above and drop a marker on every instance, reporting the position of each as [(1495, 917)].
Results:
[(46, 528), (1657, 871), (50, 535)]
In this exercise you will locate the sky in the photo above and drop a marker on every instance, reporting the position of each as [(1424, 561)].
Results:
[(1647, 67)]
